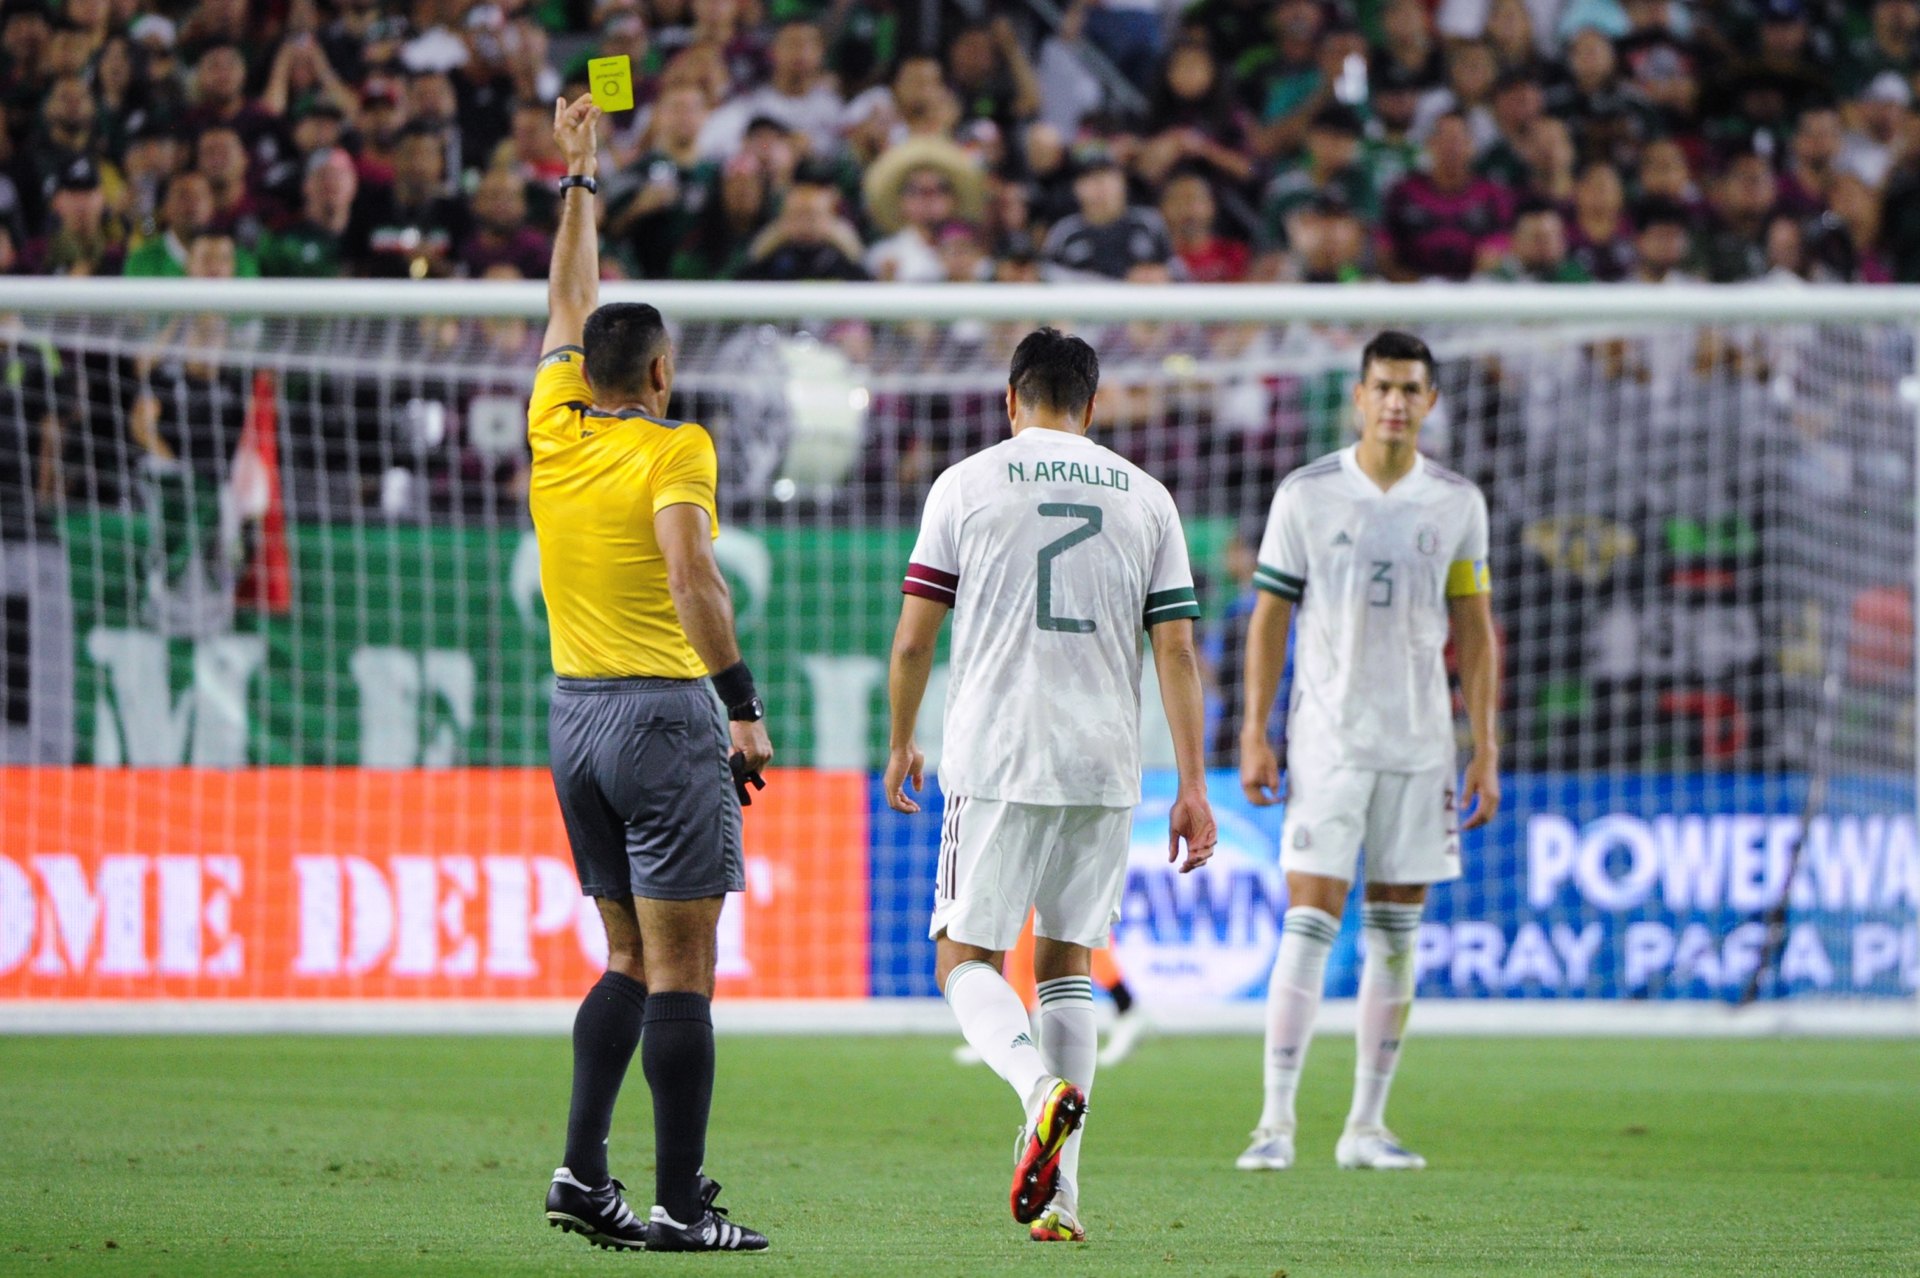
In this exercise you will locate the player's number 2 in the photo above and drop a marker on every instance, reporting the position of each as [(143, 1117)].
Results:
[(1043, 597)]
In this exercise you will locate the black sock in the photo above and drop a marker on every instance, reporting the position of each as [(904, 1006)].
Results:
[(1122, 996), (605, 1032), (677, 1054)]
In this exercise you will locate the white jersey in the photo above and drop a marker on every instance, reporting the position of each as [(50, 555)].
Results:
[(1372, 572), (1055, 554)]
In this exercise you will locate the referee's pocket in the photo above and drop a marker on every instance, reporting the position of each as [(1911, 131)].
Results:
[(661, 767)]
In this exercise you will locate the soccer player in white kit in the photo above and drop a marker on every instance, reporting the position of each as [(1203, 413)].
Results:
[(1379, 550), (1054, 555)]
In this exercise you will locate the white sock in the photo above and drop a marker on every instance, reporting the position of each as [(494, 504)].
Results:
[(1070, 1046), (1386, 994), (1293, 1000), (994, 1020)]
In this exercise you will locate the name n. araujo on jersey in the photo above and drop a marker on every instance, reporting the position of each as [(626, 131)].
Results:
[(1070, 472), (1056, 554)]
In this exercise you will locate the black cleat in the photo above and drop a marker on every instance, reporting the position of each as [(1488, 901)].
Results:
[(714, 1232), (601, 1216)]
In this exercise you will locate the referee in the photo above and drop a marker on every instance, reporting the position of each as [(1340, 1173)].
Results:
[(645, 755)]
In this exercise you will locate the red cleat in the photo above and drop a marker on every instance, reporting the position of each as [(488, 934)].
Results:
[(1037, 1174)]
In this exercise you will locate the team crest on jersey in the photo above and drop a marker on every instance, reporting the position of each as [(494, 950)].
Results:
[(1426, 539), (1302, 838)]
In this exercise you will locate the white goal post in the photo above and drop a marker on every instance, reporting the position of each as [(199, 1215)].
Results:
[(1406, 305), (1707, 578), (1382, 304)]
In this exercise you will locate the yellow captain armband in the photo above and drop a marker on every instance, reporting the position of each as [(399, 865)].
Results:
[(1468, 577)]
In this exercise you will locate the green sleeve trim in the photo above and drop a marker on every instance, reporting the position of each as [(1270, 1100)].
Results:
[(1174, 612), (1283, 584), (1161, 598), (1177, 604)]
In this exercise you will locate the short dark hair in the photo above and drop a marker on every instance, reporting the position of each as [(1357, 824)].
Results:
[(1052, 370), (1657, 210), (618, 343), (1336, 117), (816, 172), (421, 129), (1393, 344), (1514, 78), (1533, 206), (174, 179)]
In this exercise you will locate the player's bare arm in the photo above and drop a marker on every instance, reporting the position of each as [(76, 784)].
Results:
[(1479, 653), (701, 598), (573, 283), (1177, 663), (912, 664), (1266, 661)]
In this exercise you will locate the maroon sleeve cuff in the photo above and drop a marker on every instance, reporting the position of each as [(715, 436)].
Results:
[(930, 583)]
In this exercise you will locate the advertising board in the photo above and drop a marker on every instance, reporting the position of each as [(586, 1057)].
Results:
[(312, 883), (1590, 886), (291, 883)]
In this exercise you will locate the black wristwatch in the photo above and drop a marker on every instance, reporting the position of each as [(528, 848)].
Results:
[(578, 179), (752, 710)]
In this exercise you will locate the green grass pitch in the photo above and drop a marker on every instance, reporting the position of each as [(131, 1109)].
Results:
[(216, 1156)]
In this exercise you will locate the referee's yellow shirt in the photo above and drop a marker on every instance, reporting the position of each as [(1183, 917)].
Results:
[(598, 479)]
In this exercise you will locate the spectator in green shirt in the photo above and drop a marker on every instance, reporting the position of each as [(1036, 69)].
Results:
[(310, 248), (1388, 149), (186, 210), (1331, 162), (1517, 103), (1537, 249), (1891, 42), (674, 186)]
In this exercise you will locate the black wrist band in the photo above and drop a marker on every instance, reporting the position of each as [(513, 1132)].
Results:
[(580, 180), (735, 685)]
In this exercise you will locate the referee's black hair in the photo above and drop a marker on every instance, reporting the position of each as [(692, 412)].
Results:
[(1053, 370), (618, 343), (1393, 344)]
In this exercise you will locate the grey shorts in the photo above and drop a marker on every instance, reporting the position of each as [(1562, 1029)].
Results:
[(640, 766)]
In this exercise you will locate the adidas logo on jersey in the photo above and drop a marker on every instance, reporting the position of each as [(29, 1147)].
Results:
[(1341, 539)]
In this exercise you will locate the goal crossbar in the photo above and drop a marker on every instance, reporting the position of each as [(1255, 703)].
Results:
[(1225, 303)]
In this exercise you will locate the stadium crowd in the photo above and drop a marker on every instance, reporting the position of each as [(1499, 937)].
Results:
[(930, 140)]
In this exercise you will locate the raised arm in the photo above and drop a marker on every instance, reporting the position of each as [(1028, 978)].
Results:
[(573, 283), (1176, 662), (1266, 660), (143, 422), (1478, 649), (913, 644), (1026, 84)]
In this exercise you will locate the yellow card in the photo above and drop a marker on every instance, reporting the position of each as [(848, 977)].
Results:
[(612, 83)]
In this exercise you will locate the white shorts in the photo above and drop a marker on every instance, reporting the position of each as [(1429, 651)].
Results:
[(1408, 822), (998, 860)]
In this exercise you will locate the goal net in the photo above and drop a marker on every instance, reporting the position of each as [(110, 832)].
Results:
[(277, 666)]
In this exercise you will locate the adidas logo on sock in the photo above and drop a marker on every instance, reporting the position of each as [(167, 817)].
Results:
[(1021, 1038)]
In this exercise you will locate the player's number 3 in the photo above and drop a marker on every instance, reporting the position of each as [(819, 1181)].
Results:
[(1092, 517)]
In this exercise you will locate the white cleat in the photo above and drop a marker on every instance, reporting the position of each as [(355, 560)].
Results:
[(1127, 1032), (968, 1054), (1375, 1149), (1272, 1150)]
